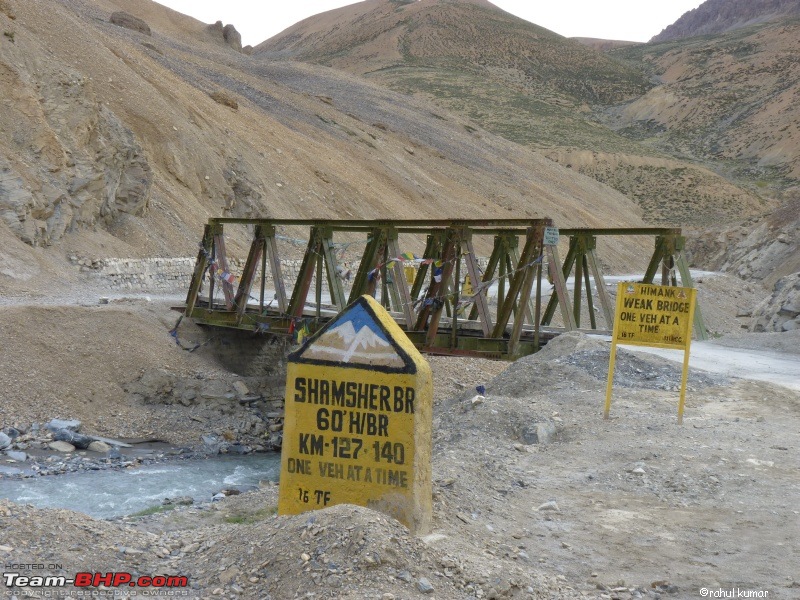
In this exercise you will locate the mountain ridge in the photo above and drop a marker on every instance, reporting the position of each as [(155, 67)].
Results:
[(293, 141), (721, 16), (522, 82)]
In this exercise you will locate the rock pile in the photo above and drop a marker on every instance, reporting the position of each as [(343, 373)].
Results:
[(240, 420), (781, 311), (58, 447)]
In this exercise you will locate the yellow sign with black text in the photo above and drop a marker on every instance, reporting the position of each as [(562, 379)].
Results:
[(653, 315), (358, 419)]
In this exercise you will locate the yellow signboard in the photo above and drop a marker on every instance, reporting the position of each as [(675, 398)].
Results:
[(358, 420), (653, 315)]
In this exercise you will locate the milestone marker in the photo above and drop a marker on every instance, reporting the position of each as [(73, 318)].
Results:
[(358, 420)]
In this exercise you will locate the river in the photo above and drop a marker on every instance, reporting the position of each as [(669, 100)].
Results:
[(112, 493)]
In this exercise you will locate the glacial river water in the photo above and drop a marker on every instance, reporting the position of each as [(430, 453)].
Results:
[(107, 494)]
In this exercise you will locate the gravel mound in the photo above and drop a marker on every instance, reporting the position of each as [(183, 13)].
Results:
[(637, 371), (580, 358)]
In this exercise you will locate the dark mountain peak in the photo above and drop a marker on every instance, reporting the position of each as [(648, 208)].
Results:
[(719, 16)]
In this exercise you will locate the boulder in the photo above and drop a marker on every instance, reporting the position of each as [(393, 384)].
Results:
[(12, 432), (228, 33), (781, 311), (178, 501), (78, 440), (97, 446), (5, 441), (68, 424), (128, 21), (232, 37), (539, 433), (61, 447), (17, 456)]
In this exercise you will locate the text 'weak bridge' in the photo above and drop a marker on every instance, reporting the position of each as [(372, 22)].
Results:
[(446, 299)]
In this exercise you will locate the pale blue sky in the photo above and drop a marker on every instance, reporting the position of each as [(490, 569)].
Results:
[(633, 20)]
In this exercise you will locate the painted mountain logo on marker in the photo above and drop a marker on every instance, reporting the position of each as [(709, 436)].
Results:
[(344, 344)]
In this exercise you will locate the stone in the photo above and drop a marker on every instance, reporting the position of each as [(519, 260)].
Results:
[(232, 37), (12, 432), (228, 34), (405, 576), (16, 455), (477, 400), (424, 586), (239, 449), (5, 440), (61, 446), (229, 575), (240, 387), (97, 446), (78, 440), (212, 443), (178, 501), (539, 433), (781, 310), (68, 424), (128, 21), (551, 506)]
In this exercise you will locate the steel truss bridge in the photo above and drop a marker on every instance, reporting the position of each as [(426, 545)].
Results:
[(446, 304)]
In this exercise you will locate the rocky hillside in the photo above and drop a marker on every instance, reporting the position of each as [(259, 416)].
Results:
[(121, 138), (720, 16), (520, 81), (466, 35), (732, 101)]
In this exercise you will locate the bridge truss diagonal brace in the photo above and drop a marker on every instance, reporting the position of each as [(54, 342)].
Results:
[(200, 267), (517, 301), (481, 297), (221, 259), (319, 257), (257, 249), (668, 253), (401, 295), (435, 299), (561, 297)]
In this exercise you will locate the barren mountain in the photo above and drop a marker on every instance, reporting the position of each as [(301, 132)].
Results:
[(122, 139), (520, 81), (731, 100), (720, 16)]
